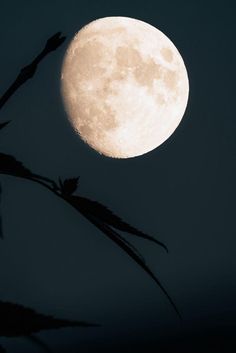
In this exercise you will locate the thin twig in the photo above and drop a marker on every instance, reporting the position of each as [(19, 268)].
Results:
[(28, 71), (55, 189)]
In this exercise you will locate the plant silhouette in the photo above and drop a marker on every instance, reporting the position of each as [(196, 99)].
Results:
[(28, 71), (18, 321), (100, 216)]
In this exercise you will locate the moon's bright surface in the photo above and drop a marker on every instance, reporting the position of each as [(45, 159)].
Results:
[(124, 85)]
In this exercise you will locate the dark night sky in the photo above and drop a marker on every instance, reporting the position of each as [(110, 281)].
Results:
[(183, 192)]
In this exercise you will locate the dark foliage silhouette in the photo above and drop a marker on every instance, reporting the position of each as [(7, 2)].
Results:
[(28, 71), (17, 320), (100, 216), (96, 209), (95, 212), (68, 186), (123, 244), (10, 166)]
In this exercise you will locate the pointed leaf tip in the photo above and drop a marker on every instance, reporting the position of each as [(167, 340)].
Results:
[(69, 186)]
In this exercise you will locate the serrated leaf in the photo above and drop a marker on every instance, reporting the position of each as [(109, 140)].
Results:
[(105, 215), (124, 245), (77, 203)]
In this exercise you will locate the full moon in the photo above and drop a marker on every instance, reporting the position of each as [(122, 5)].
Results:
[(124, 86)]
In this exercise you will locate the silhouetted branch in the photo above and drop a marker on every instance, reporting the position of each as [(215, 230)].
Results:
[(94, 212), (9, 165), (28, 71)]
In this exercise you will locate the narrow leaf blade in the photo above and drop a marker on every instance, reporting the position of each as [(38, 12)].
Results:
[(105, 215)]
